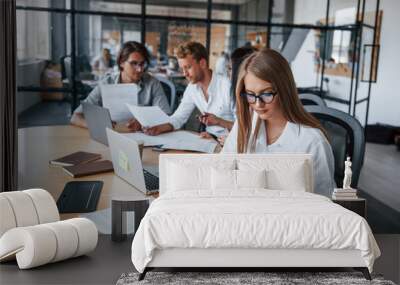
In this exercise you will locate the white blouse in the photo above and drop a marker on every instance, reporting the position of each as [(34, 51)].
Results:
[(294, 138)]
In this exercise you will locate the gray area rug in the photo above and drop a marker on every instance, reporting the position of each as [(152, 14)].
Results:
[(229, 278)]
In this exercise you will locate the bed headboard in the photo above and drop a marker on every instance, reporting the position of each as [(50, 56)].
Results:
[(282, 166)]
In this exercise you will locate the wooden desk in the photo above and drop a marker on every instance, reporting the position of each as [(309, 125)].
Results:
[(38, 145)]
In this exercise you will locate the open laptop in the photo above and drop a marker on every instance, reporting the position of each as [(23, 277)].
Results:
[(97, 119), (128, 164)]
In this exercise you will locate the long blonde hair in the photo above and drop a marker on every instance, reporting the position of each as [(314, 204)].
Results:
[(271, 66)]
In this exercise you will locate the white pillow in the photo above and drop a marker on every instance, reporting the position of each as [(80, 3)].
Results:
[(283, 172), (189, 176), (225, 179), (251, 178), (291, 179)]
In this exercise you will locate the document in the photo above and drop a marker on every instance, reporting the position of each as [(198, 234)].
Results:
[(180, 140), (183, 140), (148, 140), (115, 97), (205, 145), (148, 116)]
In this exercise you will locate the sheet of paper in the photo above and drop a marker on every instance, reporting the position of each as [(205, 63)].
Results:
[(207, 147), (148, 116), (181, 140), (115, 97), (148, 140)]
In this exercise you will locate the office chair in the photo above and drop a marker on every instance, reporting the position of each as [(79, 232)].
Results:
[(83, 90), (311, 99), (346, 136), (170, 91)]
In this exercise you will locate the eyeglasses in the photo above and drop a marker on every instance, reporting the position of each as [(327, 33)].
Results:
[(138, 64), (266, 97)]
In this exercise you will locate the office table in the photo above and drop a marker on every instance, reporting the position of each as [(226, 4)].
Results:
[(38, 145)]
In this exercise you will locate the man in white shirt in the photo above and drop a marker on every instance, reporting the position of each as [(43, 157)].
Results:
[(207, 91)]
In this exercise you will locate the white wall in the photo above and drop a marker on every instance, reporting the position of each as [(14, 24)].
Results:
[(33, 32), (33, 47), (385, 99), (385, 94)]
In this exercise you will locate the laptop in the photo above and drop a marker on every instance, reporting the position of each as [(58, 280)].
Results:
[(128, 164), (97, 119)]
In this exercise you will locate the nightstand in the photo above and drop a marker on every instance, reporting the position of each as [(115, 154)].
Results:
[(358, 205)]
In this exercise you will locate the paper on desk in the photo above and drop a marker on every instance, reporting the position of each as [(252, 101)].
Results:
[(181, 140), (205, 145), (115, 96), (148, 116), (148, 140)]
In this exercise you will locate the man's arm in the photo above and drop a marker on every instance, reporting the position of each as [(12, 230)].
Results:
[(180, 117), (225, 124), (185, 109), (212, 120), (156, 130), (78, 119)]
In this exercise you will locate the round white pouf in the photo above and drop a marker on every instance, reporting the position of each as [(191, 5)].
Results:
[(45, 205), (6, 215), (23, 208), (52, 242)]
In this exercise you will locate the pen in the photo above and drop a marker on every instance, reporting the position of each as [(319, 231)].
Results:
[(215, 138)]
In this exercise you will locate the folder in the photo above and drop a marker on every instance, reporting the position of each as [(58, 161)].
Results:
[(89, 168), (75, 158)]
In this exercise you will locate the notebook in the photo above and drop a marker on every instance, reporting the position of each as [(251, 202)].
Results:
[(75, 158), (89, 168), (79, 197)]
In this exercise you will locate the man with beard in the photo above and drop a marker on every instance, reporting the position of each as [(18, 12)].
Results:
[(207, 90)]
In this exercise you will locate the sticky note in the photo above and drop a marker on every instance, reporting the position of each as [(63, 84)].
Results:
[(123, 161)]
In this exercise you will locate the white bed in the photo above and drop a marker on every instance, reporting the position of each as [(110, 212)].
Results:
[(202, 220)]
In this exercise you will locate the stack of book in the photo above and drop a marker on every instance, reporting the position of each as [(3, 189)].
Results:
[(83, 163), (344, 194)]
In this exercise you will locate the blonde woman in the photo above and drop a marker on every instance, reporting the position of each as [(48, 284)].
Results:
[(271, 118)]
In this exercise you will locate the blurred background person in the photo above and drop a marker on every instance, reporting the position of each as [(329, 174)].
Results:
[(237, 57), (104, 61), (221, 65)]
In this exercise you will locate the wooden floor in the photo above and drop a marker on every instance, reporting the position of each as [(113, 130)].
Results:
[(380, 184), (103, 266), (109, 260)]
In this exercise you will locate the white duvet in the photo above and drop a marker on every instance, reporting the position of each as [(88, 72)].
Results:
[(253, 218)]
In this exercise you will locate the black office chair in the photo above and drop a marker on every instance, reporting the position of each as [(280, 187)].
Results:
[(83, 90), (311, 99), (170, 91), (346, 136)]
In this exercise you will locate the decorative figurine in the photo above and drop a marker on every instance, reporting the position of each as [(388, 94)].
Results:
[(347, 174)]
